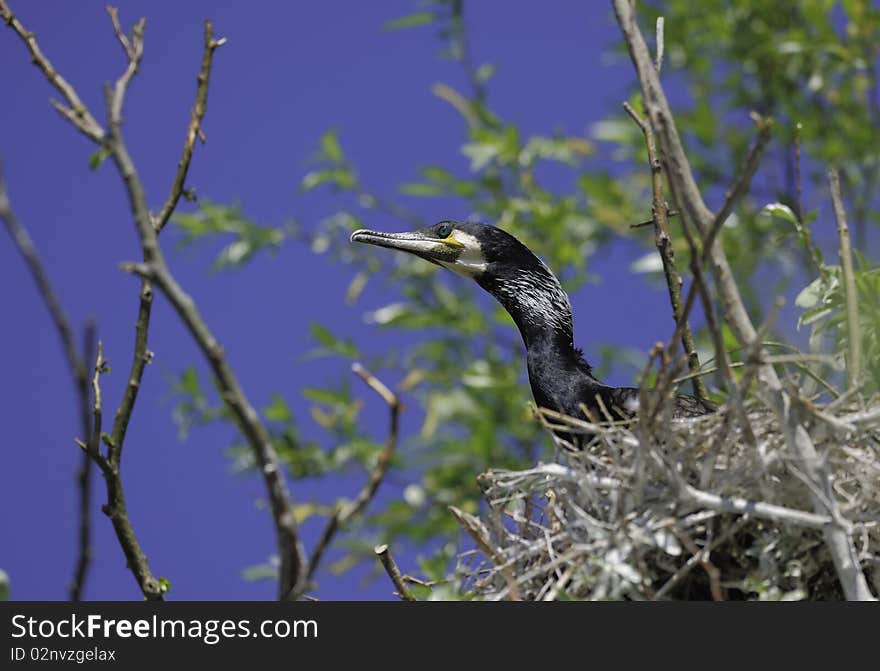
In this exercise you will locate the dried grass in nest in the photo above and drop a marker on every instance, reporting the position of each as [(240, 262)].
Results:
[(674, 512)]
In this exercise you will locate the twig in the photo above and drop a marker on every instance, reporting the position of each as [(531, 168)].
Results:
[(702, 556), (696, 558), (115, 508), (663, 242), (687, 195), (78, 369), (194, 130), (384, 555), (344, 514), (854, 336), (84, 478), (41, 278), (798, 182), (290, 550), (142, 356), (732, 504), (658, 60), (134, 50), (480, 535), (76, 112)]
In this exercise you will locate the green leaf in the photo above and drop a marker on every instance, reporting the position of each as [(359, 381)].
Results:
[(260, 572), (331, 148), (410, 21), (164, 585), (278, 411), (811, 294), (780, 210), (421, 189), (98, 158)]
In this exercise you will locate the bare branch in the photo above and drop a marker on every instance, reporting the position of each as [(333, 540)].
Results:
[(663, 242), (384, 555), (694, 210), (77, 366), (344, 514), (697, 557), (134, 50), (115, 507), (142, 356), (854, 336), (84, 477), (41, 278), (743, 181), (658, 58), (77, 113), (702, 556), (480, 535), (290, 550), (194, 130), (768, 511)]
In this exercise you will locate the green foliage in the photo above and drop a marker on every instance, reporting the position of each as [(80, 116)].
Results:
[(824, 305), (464, 372), (214, 220)]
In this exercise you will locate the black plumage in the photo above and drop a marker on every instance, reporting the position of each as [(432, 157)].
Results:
[(560, 377)]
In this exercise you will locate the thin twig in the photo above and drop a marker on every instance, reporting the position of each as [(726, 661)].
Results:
[(798, 182), (696, 558), (702, 557), (142, 356), (194, 130), (854, 336), (134, 50), (84, 478), (78, 369), (116, 508), (76, 111), (663, 242), (344, 514), (384, 555), (658, 59), (480, 535)]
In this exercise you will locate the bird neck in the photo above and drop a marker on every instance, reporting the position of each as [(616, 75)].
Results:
[(538, 305), (559, 376)]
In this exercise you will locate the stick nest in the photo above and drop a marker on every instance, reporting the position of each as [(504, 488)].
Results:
[(680, 509)]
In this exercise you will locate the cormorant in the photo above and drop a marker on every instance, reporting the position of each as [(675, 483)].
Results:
[(560, 377)]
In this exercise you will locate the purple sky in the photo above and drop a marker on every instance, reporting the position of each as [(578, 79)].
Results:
[(285, 76)]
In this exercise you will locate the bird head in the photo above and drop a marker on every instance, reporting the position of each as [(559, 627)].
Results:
[(478, 251), (454, 245), (496, 260)]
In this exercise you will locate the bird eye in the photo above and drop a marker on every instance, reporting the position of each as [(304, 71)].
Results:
[(444, 230)]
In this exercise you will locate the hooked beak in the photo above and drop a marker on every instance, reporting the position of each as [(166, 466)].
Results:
[(419, 243)]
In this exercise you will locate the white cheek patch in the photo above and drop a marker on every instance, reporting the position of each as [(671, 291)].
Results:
[(471, 262)]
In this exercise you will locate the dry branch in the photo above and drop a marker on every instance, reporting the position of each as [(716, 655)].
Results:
[(384, 554), (76, 111), (663, 241), (155, 269), (194, 130), (854, 336), (76, 363), (694, 210), (344, 513)]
